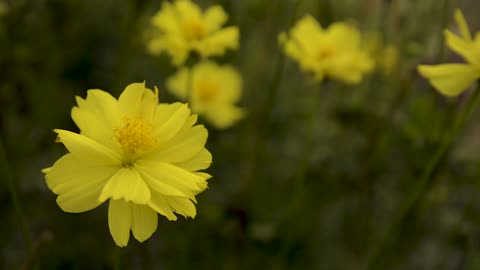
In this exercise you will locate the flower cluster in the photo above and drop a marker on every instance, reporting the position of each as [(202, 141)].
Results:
[(211, 90)]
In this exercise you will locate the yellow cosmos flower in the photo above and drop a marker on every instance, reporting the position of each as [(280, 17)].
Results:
[(452, 79), (141, 156), (212, 90), (334, 52), (182, 27)]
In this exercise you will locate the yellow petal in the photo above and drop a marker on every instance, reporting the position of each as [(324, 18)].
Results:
[(168, 120), (126, 184), (182, 147), (200, 161), (159, 204), (218, 42), (144, 222), (183, 180), (463, 47), (178, 84), (87, 149), (138, 101), (450, 79), (462, 25), (78, 183), (163, 187), (306, 34), (186, 8), (224, 116), (344, 35), (182, 206), (215, 17), (120, 221), (203, 175), (97, 116)]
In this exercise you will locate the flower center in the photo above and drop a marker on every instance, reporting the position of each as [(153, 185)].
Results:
[(325, 52), (195, 29), (135, 136), (206, 90)]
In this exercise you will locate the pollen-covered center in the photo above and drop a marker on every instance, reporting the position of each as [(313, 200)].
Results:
[(135, 135), (206, 90), (195, 28)]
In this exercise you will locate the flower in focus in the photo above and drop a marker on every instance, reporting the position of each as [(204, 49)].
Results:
[(142, 157), (334, 52), (452, 79), (212, 91), (181, 27)]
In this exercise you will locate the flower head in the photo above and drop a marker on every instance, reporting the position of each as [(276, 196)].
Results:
[(452, 79), (212, 91), (334, 52), (182, 27), (140, 156)]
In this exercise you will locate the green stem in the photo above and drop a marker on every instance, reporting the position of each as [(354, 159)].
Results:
[(272, 91), (5, 168), (117, 258), (426, 177), (299, 177), (268, 106)]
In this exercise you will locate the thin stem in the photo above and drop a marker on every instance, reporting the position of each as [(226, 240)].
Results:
[(117, 258), (425, 178), (268, 106), (299, 177), (44, 239), (272, 91), (5, 168)]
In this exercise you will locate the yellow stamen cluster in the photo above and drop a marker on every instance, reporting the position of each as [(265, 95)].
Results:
[(135, 136)]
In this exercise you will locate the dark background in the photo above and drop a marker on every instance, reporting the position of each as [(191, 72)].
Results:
[(275, 201)]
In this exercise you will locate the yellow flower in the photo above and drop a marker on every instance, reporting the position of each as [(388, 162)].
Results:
[(333, 52), (182, 27), (141, 156), (386, 56), (212, 90), (452, 79)]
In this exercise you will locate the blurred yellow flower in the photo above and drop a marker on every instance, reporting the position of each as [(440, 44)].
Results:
[(452, 79), (334, 52), (141, 156), (386, 56), (181, 27), (212, 91)]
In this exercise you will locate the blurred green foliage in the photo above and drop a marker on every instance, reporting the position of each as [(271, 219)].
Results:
[(371, 143)]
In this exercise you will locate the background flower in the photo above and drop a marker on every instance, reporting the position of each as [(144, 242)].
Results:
[(181, 27), (212, 90), (334, 52), (452, 79)]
